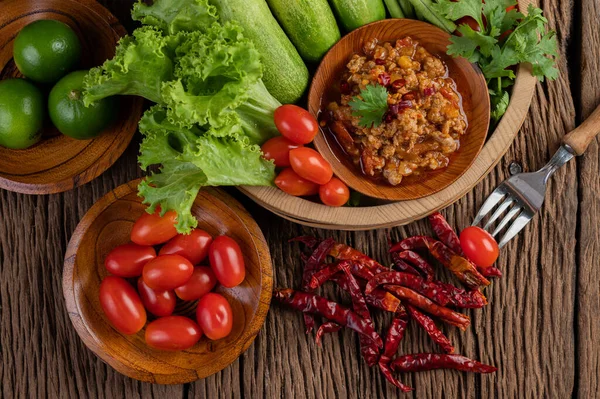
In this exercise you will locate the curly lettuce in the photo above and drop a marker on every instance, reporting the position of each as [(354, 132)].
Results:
[(213, 110)]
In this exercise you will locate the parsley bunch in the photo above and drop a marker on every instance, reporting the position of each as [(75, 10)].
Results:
[(506, 38)]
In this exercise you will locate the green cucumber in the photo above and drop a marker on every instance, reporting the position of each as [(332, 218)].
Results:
[(407, 8), (309, 24), (394, 8), (285, 74), (353, 14), (424, 10)]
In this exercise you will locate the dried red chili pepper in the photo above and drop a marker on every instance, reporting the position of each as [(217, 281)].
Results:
[(311, 264), (459, 266), (379, 298), (417, 300), (345, 252), (442, 293), (326, 328), (399, 263), (325, 274), (445, 233), (309, 241), (416, 242), (417, 260), (432, 330), (392, 341), (435, 361), (368, 348), (332, 311), (490, 272)]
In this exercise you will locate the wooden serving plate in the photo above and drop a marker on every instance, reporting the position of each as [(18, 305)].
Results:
[(390, 214), (59, 163), (471, 85), (108, 224)]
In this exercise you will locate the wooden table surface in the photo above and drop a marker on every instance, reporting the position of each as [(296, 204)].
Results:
[(541, 328)]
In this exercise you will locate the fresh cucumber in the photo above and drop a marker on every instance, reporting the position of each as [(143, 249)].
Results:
[(424, 10), (309, 24), (285, 74), (394, 8), (407, 8), (353, 14)]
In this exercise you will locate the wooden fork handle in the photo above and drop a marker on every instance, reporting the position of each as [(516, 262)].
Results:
[(580, 138)]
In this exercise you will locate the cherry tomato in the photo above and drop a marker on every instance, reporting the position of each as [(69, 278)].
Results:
[(509, 8), (289, 182), (310, 165), (227, 262), (468, 21), (172, 333), (122, 305), (202, 282), (153, 229), (214, 316), (296, 124), (479, 246), (167, 272), (278, 149), (159, 303), (334, 193), (128, 260), (193, 246)]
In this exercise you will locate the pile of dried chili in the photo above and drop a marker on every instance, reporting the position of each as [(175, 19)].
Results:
[(409, 292)]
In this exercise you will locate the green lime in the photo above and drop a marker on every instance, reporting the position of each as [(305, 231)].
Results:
[(71, 117), (21, 113), (46, 50)]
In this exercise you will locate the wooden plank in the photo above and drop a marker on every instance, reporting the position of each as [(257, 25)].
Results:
[(588, 247)]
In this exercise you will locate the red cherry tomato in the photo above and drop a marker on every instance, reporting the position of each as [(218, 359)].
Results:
[(167, 272), (214, 316), (159, 303), (128, 260), (296, 124), (227, 262), (479, 246), (278, 150), (334, 193), (202, 282), (310, 165), (289, 182), (509, 8), (122, 305), (152, 229), (193, 246), (172, 333)]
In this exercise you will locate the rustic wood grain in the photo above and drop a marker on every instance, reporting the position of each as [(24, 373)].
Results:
[(540, 329)]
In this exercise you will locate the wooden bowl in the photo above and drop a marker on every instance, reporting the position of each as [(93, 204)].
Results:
[(59, 163), (470, 83), (386, 214), (108, 224)]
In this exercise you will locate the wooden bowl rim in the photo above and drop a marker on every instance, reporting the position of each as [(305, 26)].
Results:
[(400, 213), (109, 156), (358, 181), (86, 334)]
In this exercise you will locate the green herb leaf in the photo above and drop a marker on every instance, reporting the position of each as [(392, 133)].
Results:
[(370, 106), (471, 45), (463, 8)]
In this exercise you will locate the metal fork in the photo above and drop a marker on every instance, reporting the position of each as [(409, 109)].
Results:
[(522, 195)]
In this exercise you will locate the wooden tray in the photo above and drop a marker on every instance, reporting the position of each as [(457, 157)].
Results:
[(108, 224), (392, 214), (58, 163)]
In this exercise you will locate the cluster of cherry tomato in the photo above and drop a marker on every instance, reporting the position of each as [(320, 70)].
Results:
[(305, 171), (166, 276)]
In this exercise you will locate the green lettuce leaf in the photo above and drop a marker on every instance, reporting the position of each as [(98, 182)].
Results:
[(191, 159), (172, 16), (140, 66)]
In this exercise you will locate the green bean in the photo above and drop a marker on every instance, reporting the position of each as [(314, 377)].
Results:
[(407, 8), (394, 8), (425, 9)]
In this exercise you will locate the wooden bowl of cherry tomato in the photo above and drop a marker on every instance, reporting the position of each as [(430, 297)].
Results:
[(163, 307)]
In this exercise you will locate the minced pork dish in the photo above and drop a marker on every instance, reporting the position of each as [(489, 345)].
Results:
[(424, 119)]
